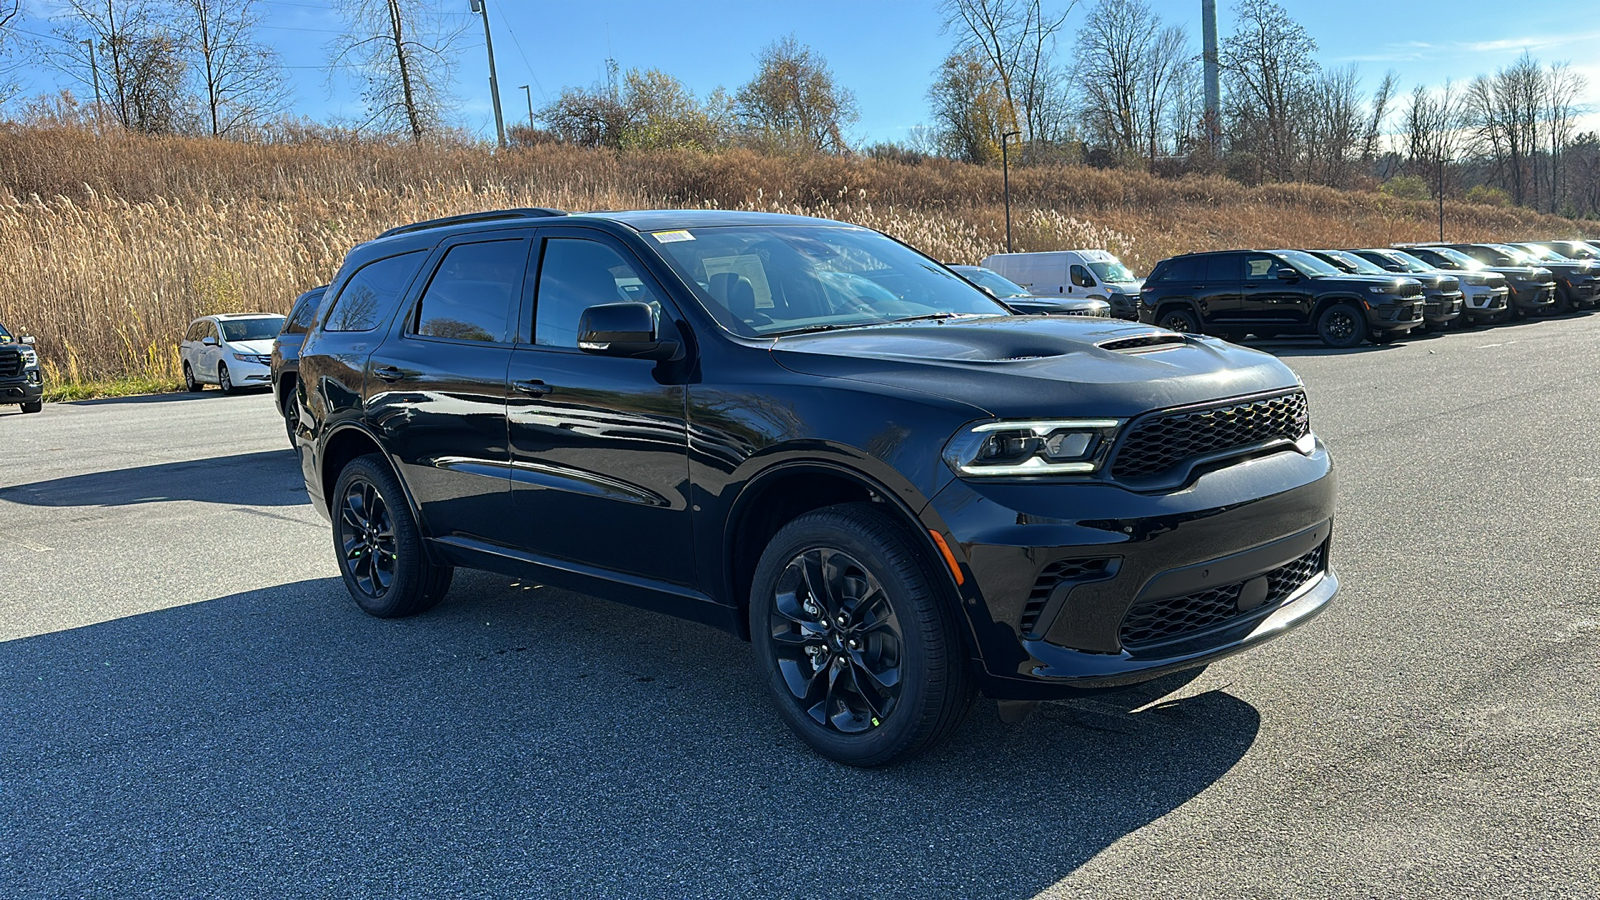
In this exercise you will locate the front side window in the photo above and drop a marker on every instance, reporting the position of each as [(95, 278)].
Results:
[(574, 275), (778, 279), (1263, 268), (369, 297), (1080, 277), (473, 294), (303, 314), (262, 329)]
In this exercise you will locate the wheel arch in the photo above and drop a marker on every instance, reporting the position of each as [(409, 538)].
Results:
[(1186, 303), (1335, 299), (780, 494), (345, 443)]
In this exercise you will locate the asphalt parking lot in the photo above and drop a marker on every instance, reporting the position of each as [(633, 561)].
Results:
[(192, 706)]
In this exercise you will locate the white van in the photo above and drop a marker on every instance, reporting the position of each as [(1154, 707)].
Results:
[(1095, 274)]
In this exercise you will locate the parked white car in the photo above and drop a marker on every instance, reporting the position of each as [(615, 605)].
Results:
[(230, 351), (1095, 274)]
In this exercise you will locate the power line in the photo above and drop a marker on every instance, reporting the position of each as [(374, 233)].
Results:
[(518, 44)]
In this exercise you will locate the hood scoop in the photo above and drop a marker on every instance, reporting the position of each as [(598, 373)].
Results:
[(1145, 343)]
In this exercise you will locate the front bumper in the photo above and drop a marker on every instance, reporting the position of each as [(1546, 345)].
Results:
[(1442, 308), (1400, 314), (1484, 302), (245, 373), (25, 388), (1530, 296), (1061, 573)]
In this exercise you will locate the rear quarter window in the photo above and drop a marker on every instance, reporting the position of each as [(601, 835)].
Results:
[(370, 296)]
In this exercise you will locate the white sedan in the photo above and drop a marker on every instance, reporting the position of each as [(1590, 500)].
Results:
[(230, 351)]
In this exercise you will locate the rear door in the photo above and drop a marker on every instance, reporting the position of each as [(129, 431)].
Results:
[(1217, 291), (600, 469), (436, 386)]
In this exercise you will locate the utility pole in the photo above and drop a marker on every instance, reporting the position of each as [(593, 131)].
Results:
[(94, 71), (530, 104), (1005, 174), (1441, 198), (1211, 66), (482, 7)]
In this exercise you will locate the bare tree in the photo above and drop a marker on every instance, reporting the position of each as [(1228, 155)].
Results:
[(1270, 65), (1017, 40), (793, 103), (405, 52), (126, 50), (1334, 124), (1504, 111), (241, 80), (1130, 73), (9, 10), (1563, 86), (1379, 112)]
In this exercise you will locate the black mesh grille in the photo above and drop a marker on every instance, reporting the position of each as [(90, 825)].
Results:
[(10, 363), (1163, 620), (1160, 443), (1050, 576)]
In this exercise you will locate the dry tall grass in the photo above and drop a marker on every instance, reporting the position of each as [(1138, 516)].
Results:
[(109, 246)]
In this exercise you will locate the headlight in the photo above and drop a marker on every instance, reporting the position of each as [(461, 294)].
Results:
[(1031, 447), (245, 357), (30, 356)]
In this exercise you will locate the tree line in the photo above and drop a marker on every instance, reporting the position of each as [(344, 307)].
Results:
[(1102, 82)]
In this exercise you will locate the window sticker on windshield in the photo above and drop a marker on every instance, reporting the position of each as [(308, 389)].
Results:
[(672, 237)]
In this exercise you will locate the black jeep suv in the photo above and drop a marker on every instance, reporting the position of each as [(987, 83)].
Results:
[(1441, 293), (286, 355), (20, 378), (1533, 287), (813, 436), (1276, 292)]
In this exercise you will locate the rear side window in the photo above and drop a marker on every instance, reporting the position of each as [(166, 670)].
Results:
[(474, 293), (1188, 268), (370, 296), (575, 275), (303, 314), (1224, 267)]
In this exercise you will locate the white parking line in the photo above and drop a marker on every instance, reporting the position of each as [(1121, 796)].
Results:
[(23, 542)]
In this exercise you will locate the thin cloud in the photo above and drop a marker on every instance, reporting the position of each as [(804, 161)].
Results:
[(1528, 43)]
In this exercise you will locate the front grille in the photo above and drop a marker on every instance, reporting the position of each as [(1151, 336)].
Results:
[(1051, 576), (1164, 441), (1163, 620), (10, 363)]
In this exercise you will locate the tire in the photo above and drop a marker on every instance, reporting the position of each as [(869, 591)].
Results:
[(291, 416), (189, 384), (35, 406), (1341, 326), (1179, 319), (224, 380), (903, 646), (378, 545)]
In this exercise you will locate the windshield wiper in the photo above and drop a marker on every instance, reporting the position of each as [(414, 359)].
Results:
[(813, 329), (937, 315)]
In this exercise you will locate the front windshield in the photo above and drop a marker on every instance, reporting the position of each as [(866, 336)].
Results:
[(1308, 264), (779, 279), (1357, 264), (5, 336), (1405, 261), (262, 329), (1451, 258), (1575, 250), (998, 284), (1113, 272), (1517, 255), (1541, 253)]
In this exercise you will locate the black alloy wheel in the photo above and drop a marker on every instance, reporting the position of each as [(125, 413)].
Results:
[(189, 384), (1341, 326), (380, 552), (856, 645), (291, 416), (224, 380), (1179, 319)]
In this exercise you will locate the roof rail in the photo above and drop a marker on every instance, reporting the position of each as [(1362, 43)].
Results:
[(530, 212)]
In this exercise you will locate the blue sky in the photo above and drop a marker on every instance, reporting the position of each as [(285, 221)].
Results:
[(883, 50)]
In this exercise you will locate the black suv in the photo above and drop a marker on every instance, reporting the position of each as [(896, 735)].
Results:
[(1276, 292), (1441, 292), (1533, 288), (20, 379), (813, 436), (286, 355)]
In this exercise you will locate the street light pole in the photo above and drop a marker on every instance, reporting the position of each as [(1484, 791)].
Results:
[(1005, 175), (482, 7), (1441, 198), (94, 72), (530, 104)]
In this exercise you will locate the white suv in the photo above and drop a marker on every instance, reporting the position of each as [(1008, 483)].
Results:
[(232, 351)]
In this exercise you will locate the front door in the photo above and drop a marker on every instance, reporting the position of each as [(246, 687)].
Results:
[(600, 470), (1272, 299)]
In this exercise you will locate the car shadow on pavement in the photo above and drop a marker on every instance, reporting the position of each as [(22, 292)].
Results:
[(522, 741), (169, 397), (265, 478)]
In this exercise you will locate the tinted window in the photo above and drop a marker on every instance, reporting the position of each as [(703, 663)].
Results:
[(1080, 277), (1224, 267), (1188, 268), (371, 294), (303, 314), (262, 329), (472, 294), (575, 275)]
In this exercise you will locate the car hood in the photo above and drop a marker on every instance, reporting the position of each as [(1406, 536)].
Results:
[(262, 347), (1039, 366)]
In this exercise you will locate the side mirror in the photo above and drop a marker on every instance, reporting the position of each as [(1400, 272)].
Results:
[(1395, 267), (208, 341), (1288, 275), (627, 330), (29, 340)]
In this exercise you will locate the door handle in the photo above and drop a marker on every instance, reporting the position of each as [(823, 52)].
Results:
[(389, 373), (533, 387)]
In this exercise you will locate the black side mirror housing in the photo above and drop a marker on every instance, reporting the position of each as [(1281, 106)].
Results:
[(626, 330), (1289, 275)]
